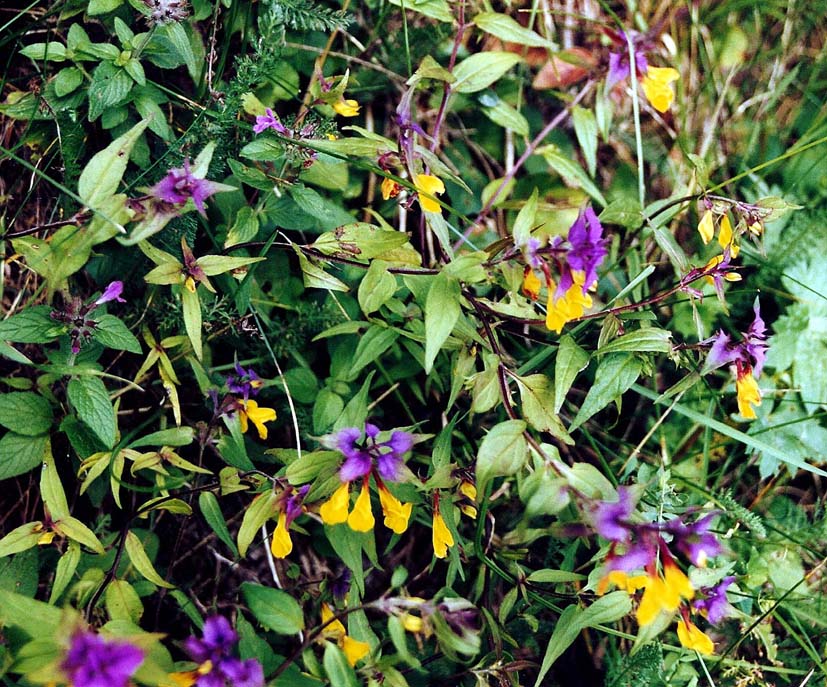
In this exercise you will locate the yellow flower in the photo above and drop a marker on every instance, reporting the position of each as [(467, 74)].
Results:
[(622, 581), (361, 518), (441, 536), (726, 237), (256, 414), (706, 227), (748, 395), (531, 284), (469, 491), (714, 261), (412, 623), (334, 510), (568, 307), (692, 638), (282, 545), (396, 513), (354, 650), (663, 594), (390, 189), (346, 108), (656, 86), (427, 183)]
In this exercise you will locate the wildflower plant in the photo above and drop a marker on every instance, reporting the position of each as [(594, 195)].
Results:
[(376, 343)]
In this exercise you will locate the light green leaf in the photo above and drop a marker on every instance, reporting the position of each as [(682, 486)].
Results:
[(90, 400), (442, 310), (375, 341), (65, 569), (51, 488), (74, 529), (211, 510), (245, 227), (35, 618), (504, 27), (624, 212), (274, 609), (315, 277), (192, 319), (111, 332), (571, 171), (123, 602), (435, 9), (537, 397), (645, 340), (360, 240), (19, 454), (219, 264), (526, 219), (102, 6), (32, 325), (336, 667), (585, 128), (376, 288), (178, 436), (141, 563), (615, 374), (51, 51), (502, 452), (25, 412), (263, 507), (20, 539), (482, 69), (507, 117), (571, 360)]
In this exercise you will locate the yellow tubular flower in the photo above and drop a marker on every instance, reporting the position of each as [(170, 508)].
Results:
[(726, 238), (282, 545), (663, 594), (256, 414), (354, 650), (334, 510), (346, 108), (427, 183), (748, 395), (335, 629), (706, 227), (412, 623), (469, 491), (441, 537), (361, 518), (390, 189), (714, 261), (693, 638), (531, 284), (567, 308), (622, 581), (656, 86), (396, 513)]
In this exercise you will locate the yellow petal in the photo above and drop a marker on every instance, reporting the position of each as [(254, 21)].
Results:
[(396, 513), (281, 545), (748, 395), (412, 623), (258, 416), (184, 679), (427, 183), (656, 86), (346, 108), (354, 650), (361, 518), (334, 510), (531, 284), (468, 489), (725, 235), (678, 585), (441, 536), (706, 227), (692, 638), (335, 629), (390, 189), (650, 604)]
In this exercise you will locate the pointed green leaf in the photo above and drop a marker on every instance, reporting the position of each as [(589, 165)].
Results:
[(571, 359), (504, 27), (65, 569), (537, 397), (21, 538), (211, 510), (502, 452), (585, 128), (525, 220), (482, 69), (25, 413), (192, 319), (90, 400), (263, 507), (615, 374), (442, 310), (141, 562), (274, 609), (19, 454), (74, 529)]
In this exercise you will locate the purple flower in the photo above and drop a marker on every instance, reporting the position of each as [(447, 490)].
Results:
[(639, 555), (715, 606), (292, 505), (588, 247), (619, 62), (750, 352), (360, 458), (530, 249), (269, 121), (213, 653), (244, 382), (179, 185), (695, 541), (112, 293), (93, 661), (611, 518)]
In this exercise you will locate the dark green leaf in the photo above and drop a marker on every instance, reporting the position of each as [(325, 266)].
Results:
[(90, 399), (19, 454), (274, 609), (25, 413)]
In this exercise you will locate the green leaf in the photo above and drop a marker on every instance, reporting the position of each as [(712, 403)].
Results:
[(65, 569), (502, 452), (645, 340), (245, 227), (310, 201), (585, 128), (615, 374), (575, 619), (67, 80), (177, 436), (624, 212), (19, 454), (552, 576), (667, 243), (51, 52), (90, 400), (25, 413), (507, 117), (32, 325), (74, 529), (123, 602), (211, 510), (375, 341), (376, 288), (111, 332), (315, 277), (482, 69), (192, 319), (51, 488), (263, 507), (356, 409), (526, 220), (219, 264), (110, 87), (103, 6), (140, 561), (103, 173), (274, 609), (336, 667), (442, 310), (504, 27), (571, 360), (360, 240), (311, 465), (177, 38), (537, 398), (571, 171), (35, 618), (20, 539), (435, 9)]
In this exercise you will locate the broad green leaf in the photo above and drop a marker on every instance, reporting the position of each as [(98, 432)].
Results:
[(32, 325), (645, 340), (442, 310), (263, 507), (376, 288), (113, 333), (337, 668), (110, 87), (219, 264), (25, 413), (274, 609), (575, 619), (329, 214), (311, 465), (122, 602), (356, 410), (435, 9), (372, 345), (669, 245), (547, 576), (502, 452), (571, 171), (504, 27), (192, 319), (140, 561), (571, 360), (51, 51), (175, 33), (35, 618), (245, 227), (347, 545), (65, 569), (625, 212), (585, 128), (537, 397), (614, 375), (103, 173), (19, 453), (74, 529), (103, 6), (437, 224), (90, 399), (51, 488), (315, 277), (429, 68), (482, 69), (360, 240), (526, 219), (20, 539), (507, 117), (178, 436), (211, 510)]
